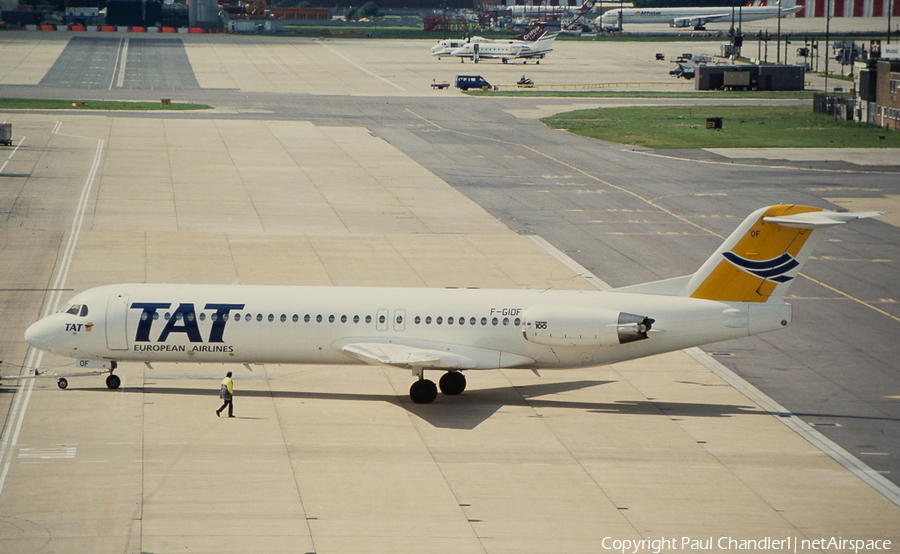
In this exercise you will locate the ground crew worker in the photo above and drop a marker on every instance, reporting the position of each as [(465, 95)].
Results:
[(226, 393)]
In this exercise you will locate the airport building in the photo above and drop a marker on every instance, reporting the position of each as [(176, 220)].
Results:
[(885, 110)]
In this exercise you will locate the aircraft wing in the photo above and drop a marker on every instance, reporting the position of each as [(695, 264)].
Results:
[(406, 356)]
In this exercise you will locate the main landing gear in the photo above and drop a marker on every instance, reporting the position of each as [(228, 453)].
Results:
[(424, 391)]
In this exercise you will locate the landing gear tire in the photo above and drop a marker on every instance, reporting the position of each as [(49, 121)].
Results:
[(453, 383), (113, 382), (62, 383), (423, 391)]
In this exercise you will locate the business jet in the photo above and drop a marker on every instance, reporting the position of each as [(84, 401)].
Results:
[(738, 292), (697, 17), (535, 43), (507, 50)]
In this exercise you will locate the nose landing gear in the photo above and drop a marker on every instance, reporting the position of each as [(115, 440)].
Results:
[(113, 381)]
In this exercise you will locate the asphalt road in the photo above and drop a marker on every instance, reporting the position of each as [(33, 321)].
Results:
[(626, 215)]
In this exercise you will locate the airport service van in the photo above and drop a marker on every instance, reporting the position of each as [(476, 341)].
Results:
[(465, 82)]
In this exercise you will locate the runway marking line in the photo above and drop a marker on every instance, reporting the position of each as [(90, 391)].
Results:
[(359, 67), (20, 405)]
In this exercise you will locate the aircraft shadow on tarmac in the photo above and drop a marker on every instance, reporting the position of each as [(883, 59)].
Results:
[(475, 406)]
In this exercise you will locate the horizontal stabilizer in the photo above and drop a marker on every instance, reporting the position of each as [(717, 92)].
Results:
[(811, 220)]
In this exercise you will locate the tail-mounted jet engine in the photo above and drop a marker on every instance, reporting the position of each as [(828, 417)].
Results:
[(575, 326)]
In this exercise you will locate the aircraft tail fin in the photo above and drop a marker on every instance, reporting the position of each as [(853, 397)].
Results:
[(533, 33), (760, 259)]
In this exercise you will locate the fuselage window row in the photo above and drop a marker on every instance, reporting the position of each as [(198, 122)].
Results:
[(331, 319)]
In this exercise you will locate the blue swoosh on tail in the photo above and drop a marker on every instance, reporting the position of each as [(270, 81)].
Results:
[(772, 270)]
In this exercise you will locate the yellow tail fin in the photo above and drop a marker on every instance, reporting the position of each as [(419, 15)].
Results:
[(764, 254)]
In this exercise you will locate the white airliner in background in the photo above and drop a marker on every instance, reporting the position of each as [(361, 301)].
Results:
[(551, 11), (737, 292), (697, 17), (533, 44)]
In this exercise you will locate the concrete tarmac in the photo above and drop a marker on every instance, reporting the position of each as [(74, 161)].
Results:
[(412, 188)]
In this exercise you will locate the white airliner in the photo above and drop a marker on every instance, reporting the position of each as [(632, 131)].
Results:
[(737, 292), (551, 11), (697, 17), (534, 43)]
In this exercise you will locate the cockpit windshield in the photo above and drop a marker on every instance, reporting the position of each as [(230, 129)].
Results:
[(80, 310)]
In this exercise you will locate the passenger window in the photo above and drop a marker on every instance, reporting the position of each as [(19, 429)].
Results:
[(517, 322), (505, 321), (306, 318), (271, 318), (283, 318), (368, 319), (343, 319), (202, 316), (381, 319), (439, 320), (484, 321), (428, 320), (494, 322), (319, 318), (450, 321), (472, 321), (418, 320), (258, 317), (296, 318), (356, 319), (167, 316)]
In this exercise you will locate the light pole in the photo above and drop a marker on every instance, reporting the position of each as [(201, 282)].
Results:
[(890, 9), (778, 50), (827, 44)]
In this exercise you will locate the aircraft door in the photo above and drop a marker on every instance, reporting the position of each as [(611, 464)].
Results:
[(116, 329), (399, 320), (381, 319)]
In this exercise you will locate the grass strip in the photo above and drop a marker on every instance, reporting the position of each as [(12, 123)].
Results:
[(51, 104), (742, 127)]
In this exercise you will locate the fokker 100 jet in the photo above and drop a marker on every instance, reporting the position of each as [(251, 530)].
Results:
[(738, 292)]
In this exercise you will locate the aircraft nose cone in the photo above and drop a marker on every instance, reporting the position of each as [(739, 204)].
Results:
[(39, 334)]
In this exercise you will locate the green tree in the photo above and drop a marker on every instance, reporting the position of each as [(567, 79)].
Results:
[(369, 10)]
